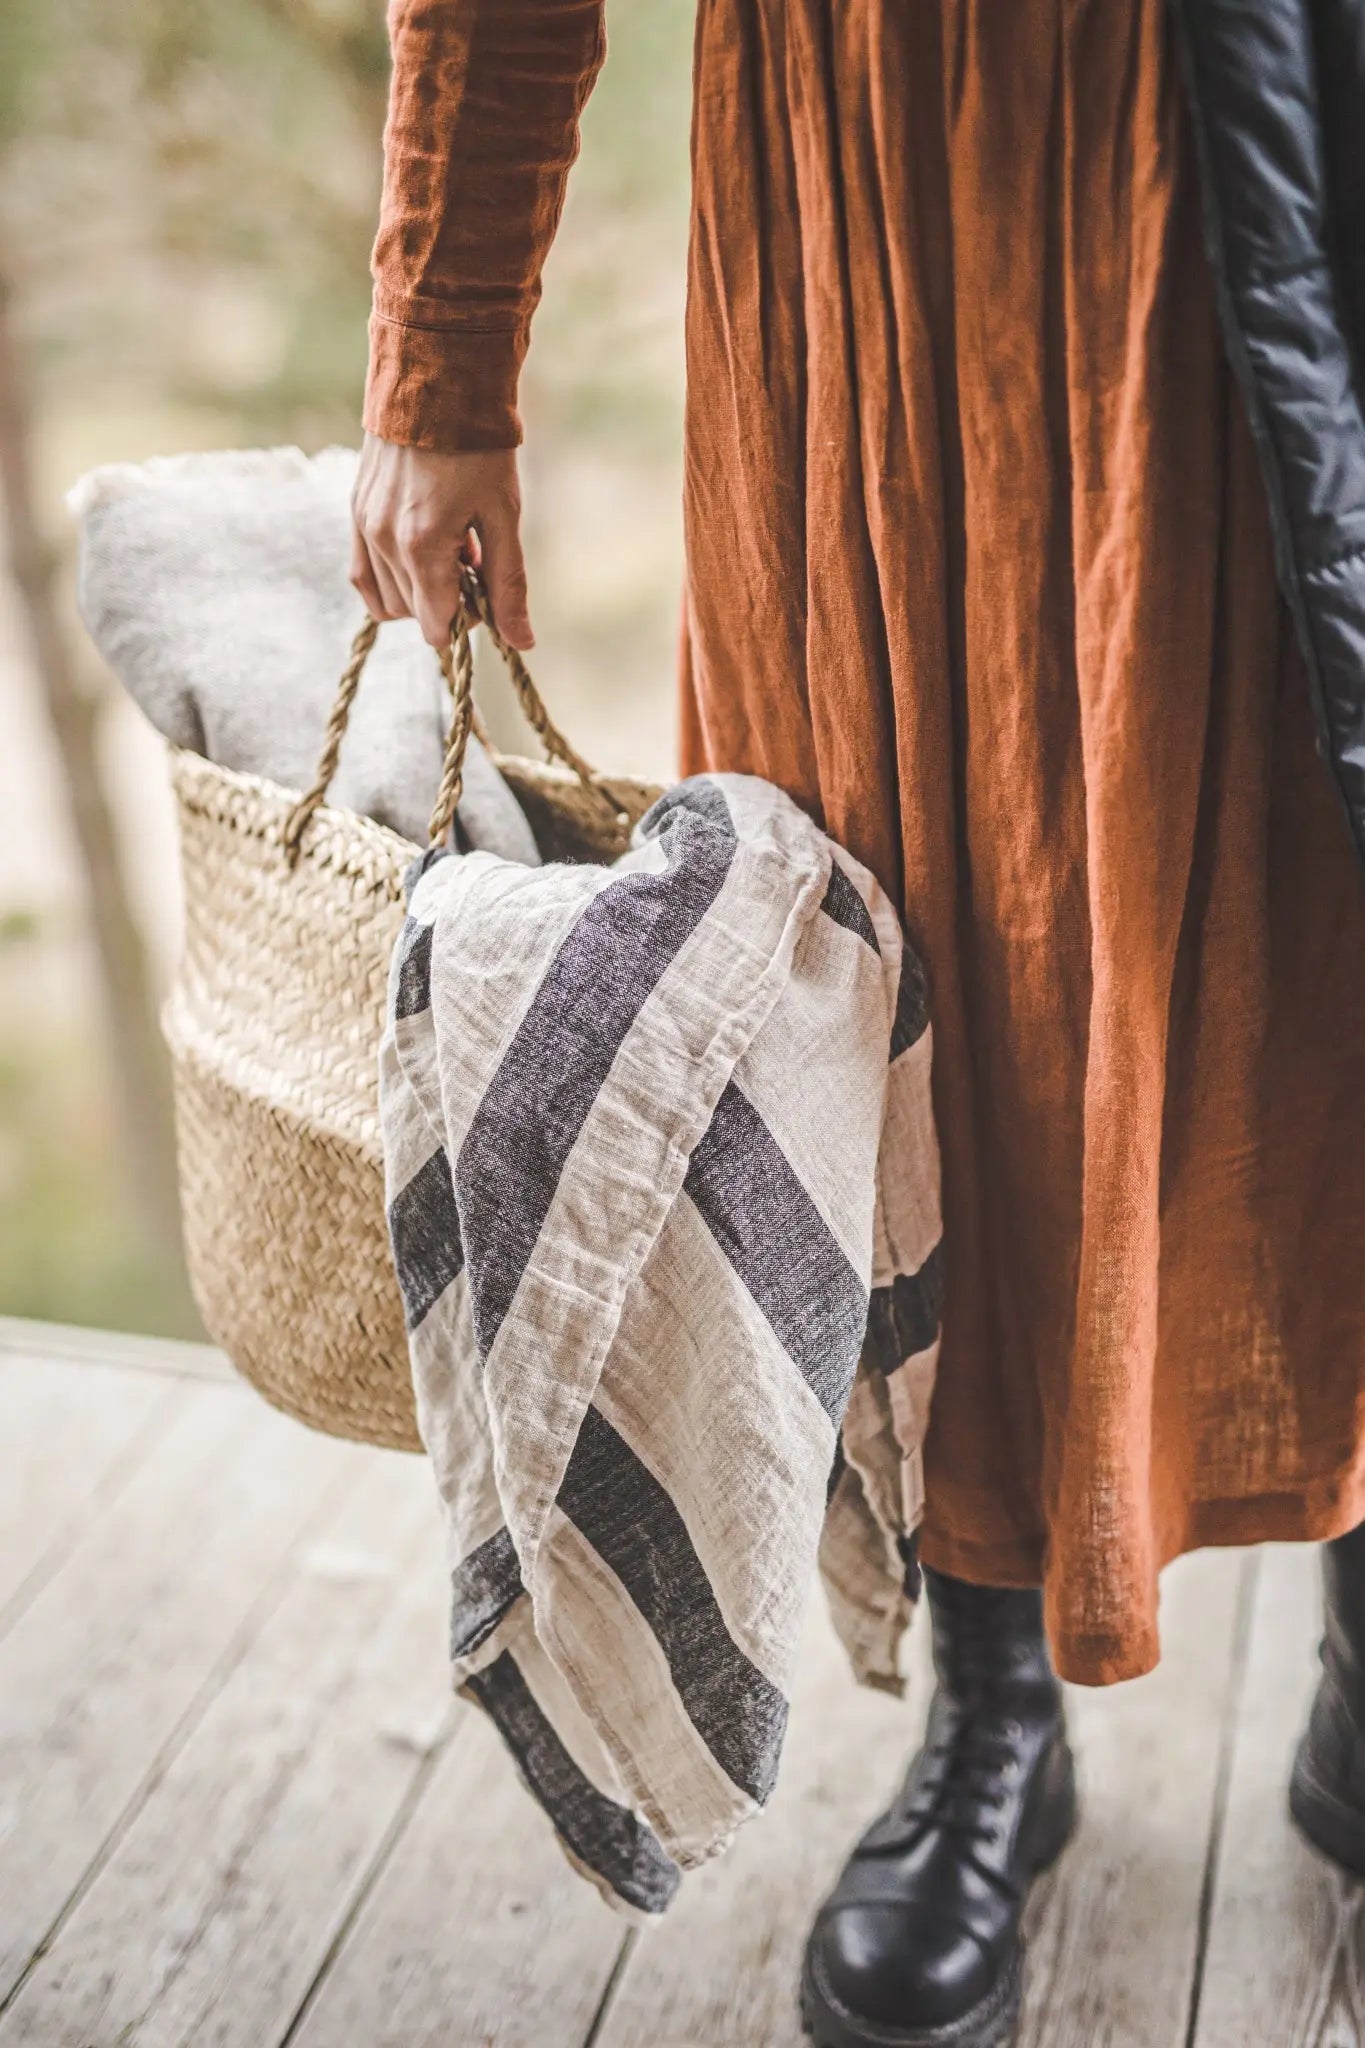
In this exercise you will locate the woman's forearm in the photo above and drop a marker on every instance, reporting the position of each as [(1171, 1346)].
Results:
[(483, 126)]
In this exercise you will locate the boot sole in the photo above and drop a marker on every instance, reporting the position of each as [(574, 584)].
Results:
[(1331, 1826), (991, 2023)]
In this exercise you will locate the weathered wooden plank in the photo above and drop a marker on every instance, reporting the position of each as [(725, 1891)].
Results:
[(477, 1931), (220, 1903), (69, 1436), (1114, 1932), (1286, 1946), (209, 1757), (1113, 1955), (722, 1969), (120, 1645), (122, 1349)]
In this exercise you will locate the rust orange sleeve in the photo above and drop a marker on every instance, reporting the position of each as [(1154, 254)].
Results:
[(484, 109)]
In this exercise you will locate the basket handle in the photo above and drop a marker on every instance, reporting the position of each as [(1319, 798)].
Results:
[(457, 666)]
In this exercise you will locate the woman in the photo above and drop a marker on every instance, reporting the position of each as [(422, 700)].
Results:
[(980, 569)]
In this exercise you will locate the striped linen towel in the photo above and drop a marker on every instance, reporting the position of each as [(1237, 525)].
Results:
[(666, 1222)]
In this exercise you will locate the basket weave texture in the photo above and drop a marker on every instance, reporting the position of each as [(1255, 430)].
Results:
[(273, 1025)]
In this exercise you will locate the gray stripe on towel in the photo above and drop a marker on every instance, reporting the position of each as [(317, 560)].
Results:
[(414, 974), (565, 1046), (424, 1230), (843, 903), (483, 1588), (904, 1318), (607, 1838), (699, 795), (912, 1004), (619, 1507), (780, 1247)]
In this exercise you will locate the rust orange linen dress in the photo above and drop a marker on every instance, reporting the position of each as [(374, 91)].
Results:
[(979, 569)]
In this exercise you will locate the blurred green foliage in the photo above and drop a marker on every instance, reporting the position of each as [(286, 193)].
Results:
[(67, 1252), (190, 191), (187, 200)]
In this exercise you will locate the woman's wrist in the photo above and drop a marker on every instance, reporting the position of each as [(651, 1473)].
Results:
[(444, 389)]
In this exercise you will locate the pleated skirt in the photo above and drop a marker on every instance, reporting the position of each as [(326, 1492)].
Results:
[(979, 568)]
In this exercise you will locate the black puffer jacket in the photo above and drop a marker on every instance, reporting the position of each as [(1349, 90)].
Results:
[(1278, 93)]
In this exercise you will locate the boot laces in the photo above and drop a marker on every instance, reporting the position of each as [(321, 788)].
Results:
[(966, 1776), (969, 1769)]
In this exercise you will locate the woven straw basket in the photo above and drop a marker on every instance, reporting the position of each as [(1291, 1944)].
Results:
[(291, 909)]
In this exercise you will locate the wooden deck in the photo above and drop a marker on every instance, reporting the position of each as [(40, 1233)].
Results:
[(237, 1807)]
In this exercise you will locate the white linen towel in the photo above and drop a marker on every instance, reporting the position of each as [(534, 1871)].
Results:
[(663, 1196)]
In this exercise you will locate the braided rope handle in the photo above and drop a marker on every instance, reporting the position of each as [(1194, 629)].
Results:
[(457, 666)]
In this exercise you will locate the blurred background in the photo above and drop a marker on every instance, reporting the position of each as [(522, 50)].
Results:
[(187, 199)]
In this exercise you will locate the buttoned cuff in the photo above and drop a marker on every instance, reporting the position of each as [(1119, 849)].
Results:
[(450, 388)]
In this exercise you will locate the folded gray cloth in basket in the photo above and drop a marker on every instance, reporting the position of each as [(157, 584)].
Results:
[(215, 587), (663, 1194)]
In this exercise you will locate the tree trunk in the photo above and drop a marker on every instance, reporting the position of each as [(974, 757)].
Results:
[(138, 1057)]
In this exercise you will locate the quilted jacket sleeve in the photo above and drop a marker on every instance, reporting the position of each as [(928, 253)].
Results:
[(483, 126), (1339, 35), (1278, 174)]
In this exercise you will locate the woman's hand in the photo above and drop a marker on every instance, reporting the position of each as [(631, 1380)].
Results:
[(417, 515)]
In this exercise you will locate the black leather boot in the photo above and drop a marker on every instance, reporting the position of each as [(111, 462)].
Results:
[(1327, 1788), (918, 1944)]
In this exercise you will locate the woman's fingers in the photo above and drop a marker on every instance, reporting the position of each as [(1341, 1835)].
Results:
[(504, 575), (394, 587), (363, 576), (434, 561), (372, 545), (415, 512)]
